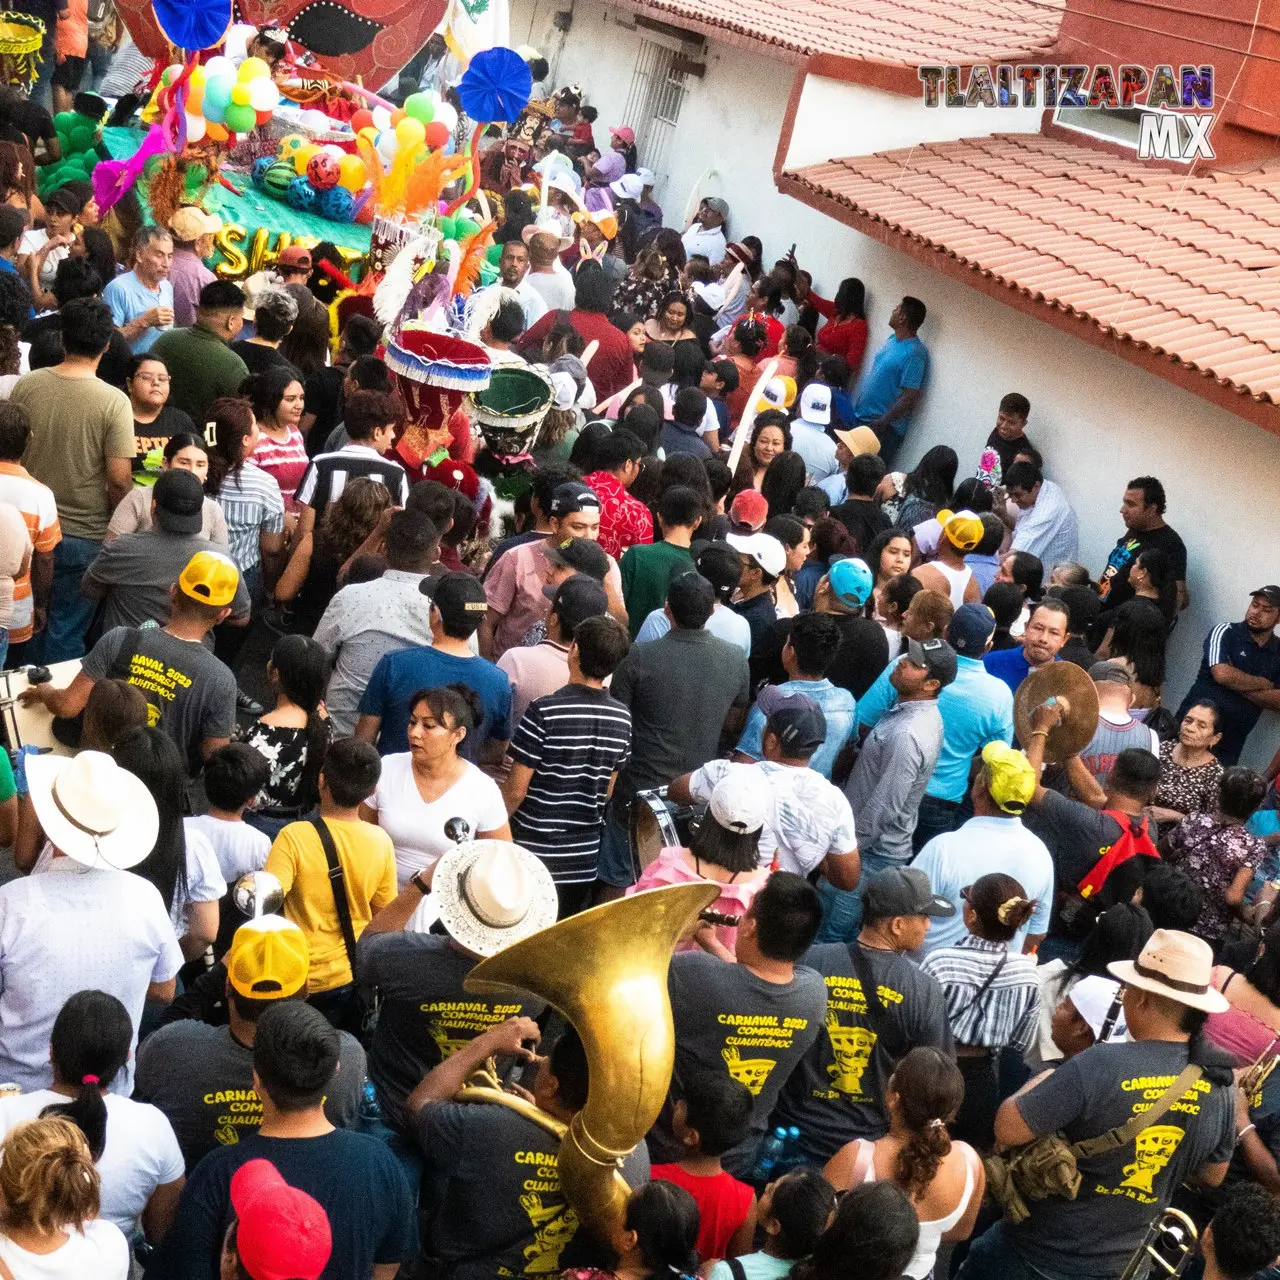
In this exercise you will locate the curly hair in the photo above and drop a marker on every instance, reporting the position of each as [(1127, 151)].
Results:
[(929, 1089), (349, 520), (47, 1177)]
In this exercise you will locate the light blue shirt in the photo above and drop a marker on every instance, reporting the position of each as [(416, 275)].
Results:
[(976, 708), (835, 487), (984, 569), (838, 709), (724, 622), (898, 365), (816, 448), (128, 298)]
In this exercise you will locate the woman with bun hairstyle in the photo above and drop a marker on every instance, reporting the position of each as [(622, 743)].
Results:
[(992, 996), (944, 1180)]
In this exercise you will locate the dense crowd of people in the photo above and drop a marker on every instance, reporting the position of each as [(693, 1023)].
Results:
[(334, 729)]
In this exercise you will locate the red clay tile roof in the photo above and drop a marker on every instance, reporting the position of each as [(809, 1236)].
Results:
[(898, 32), (1188, 268)]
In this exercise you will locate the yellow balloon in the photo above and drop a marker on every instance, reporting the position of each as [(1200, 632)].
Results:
[(197, 76), (352, 173), (369, 132), (253, 69), (228, 242), (240, 95), (302, 155), (410, 132)]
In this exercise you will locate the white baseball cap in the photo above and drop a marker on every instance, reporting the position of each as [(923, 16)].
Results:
[(815, 404), (764, 549), (646, 176), (738, 801), (1093, 998)]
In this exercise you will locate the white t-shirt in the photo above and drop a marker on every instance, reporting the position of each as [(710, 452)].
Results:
[(205, 882), (101, 1252), (141, 1154), (238, 847), (417, 828)]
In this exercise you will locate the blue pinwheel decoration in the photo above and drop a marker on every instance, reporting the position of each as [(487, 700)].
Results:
[(193, 24), (496, 86)]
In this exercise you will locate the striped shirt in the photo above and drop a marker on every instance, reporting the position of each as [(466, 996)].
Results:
[(574, 740), (251, 503), (329, 474), (39, 511), (1009, 1010), (284, 461)]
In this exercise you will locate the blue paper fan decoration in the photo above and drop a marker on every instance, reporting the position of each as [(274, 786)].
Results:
[(193, 24), (496, 86)]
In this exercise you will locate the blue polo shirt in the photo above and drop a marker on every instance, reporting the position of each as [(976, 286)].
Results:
[(900, 364), (1010, 665), (976, 708), (1231, 643)]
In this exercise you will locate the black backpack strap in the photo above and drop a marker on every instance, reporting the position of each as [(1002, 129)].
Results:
[(736, 1269), (338, 880)]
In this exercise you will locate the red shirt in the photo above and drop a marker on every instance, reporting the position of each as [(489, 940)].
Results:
[(624, 521), (847, 338), (610, 368), (723, 1205)]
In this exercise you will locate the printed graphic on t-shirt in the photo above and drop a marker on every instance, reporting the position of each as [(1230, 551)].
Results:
[(851, 1046), (454, 1023), (756, 1031), (1117, 563), (237, 1109), (554, 1223), (153, 677)]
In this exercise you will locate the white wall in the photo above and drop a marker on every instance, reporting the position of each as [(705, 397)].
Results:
[(1098, 419)]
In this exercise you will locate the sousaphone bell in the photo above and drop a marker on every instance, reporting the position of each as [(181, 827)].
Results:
[(1070, 684)]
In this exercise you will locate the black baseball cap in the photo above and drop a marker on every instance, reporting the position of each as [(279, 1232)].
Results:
[(462, 604), (572, 496), (798, 721), (937, 657), (582, 555), (179, 499), (576, 599), (1270, 594), (902, 891)]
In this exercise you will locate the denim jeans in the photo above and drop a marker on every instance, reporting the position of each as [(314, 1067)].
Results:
[(70, 613), (992, 1257), (842, 908), (933, 818)]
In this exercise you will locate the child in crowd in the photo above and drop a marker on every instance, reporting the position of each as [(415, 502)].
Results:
[(720, 379), (582, 140), (233, 775), (712, 1117), (793, 1212)]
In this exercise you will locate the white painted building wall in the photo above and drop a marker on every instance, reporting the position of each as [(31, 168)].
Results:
[(1098, 419)]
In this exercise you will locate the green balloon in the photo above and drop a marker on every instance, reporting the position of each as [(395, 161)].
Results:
[(64, 120), (240, 118), (81, 137), (420, 107)]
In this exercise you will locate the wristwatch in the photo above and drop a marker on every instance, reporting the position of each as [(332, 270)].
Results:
[(418, 883)]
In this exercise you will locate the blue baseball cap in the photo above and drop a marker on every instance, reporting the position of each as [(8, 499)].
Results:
[(971, 626), (851, 582)]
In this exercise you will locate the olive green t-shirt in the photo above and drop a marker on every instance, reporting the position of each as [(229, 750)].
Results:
[(201, 368), (76, 425)]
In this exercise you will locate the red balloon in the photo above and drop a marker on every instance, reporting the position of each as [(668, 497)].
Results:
[(437, 134), (361, 120)]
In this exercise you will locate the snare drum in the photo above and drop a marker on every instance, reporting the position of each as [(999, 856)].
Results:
[(656, 824)]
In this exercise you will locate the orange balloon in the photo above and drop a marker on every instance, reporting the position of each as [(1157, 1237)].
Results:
[(217, 132), (397, 115)]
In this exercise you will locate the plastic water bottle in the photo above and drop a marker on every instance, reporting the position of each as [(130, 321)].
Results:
[(771, 1150), (370, 1108), (791, 1156)]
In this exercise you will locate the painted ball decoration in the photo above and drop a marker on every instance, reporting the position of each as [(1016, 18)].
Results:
[(302, 195), (337, 204), (278, 179), (289, 144), (324, 170), (259, 171)]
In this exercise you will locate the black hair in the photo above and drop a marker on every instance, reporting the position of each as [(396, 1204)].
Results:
[(915, 312), (232, 422), (726, 373), (86, 327), (364, 412), (15, 430), (875, 551), (643, 421), (1136, 773), (360, 336), (815, 638), (681, 506), (783, 480), (801, 1204), (602, 644), (769, 290), (459, 702), (873, 1236), (972, 495), (76, 278), (751, 336), (721, 565), (1153, 494), (1171, 897), (900, 591), (538, 69), (88, 1047), (992, 535), (1140, 633), (547, 478), (1004, 599), (1245, 1231), (1206, 704), (152, 756), (567, 1061), (811, 503), (1001, 905), (850, 302), (664, 1217), (351, 771), (1264, 972), (266, 390), (234, 774), (295, 1054), (412, 539), (585, 453), (1023, 475), (864, 473), (1028, 572), (1240, 792), (1158, 566), (691, 599), (302, 667), (1016, 404), (369, 373), (618, 448), (659, 358), (592, 290), (507, 323), (1119, 933), (719, 1108), (787, 912), (690, 407), (934, 476), (433, 500), (221, 295), (736, 851)]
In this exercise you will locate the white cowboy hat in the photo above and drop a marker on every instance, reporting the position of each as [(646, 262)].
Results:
[(491, 893), (552, 229), (92, 810), (1177, 966)]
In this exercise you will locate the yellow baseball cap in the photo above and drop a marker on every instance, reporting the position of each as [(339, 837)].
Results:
[(1010, 778), (962, 528), (268, 959), (210, 578)]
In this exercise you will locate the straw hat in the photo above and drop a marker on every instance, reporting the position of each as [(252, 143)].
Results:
[(1177, 966), (95, 812), (491, 893)]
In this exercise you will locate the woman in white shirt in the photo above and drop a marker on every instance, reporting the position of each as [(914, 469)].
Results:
[(419, 792), (132, 1143), (49, 1224)]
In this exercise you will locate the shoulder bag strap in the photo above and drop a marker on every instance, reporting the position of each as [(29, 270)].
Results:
[(736, 1269), (339, 883), (1126, 1133)]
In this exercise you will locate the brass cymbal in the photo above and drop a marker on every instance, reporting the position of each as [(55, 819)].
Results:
[(1058, 680)]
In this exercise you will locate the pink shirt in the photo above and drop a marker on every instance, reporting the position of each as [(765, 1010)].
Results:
[(188, 275), (285, 463), (534, 671), (670, 867)]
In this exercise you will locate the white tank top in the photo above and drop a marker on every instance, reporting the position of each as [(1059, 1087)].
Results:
[(931, 1233), (957, 580)]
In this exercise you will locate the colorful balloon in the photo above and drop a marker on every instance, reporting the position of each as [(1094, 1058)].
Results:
[(302, 195), (352, 174), (421, 106), (218, 89), (436, 135), (363, 119), (263, 95), (196, 126), (278, 178), (219, 66), (410, 133), (336, 203), (302, 157), (240, 119), (253, 69), (240, 95), (323, 171), (258, 173), (446, 115), (289, 144), (215, 131)]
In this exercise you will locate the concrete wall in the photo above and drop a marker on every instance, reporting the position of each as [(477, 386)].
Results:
[(1098, 419)]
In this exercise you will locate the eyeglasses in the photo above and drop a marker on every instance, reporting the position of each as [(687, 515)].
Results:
[(160, 379)]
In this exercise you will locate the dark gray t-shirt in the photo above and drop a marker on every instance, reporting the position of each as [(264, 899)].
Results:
[(192, 695), (425, 1013), (202, 1079), (727, 1019), (1121, 1190), (137, 570), (679, 690), (491, 1191), (837, 1092)]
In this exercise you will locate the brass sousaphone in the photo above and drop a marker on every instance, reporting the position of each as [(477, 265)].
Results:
[(1071, 684), (606, 971)]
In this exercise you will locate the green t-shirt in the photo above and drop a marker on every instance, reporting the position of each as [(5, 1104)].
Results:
[(8, 788), (646, 572), (201, 368)]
